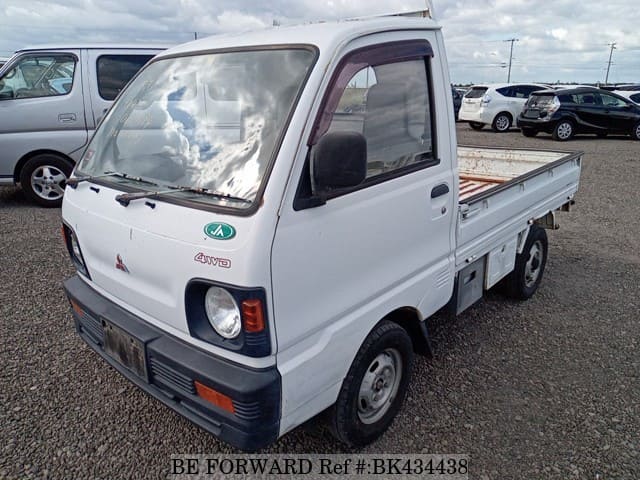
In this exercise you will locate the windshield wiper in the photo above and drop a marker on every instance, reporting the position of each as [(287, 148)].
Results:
[(211, 193), (73, 182), (126, 198)]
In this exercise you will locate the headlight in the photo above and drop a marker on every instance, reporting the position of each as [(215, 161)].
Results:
[(73, 247), (223, 312)]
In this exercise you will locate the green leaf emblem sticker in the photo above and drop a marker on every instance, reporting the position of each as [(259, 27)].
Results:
[(220, 231)]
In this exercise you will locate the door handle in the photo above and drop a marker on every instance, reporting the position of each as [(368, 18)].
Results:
[(67, 117), (440, 190)]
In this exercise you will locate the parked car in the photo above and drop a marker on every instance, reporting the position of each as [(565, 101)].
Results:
[(51, 99), (633, 95), (565, 113), (261, 252), (496, 105)]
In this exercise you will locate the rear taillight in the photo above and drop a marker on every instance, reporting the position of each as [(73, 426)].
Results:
[(73, 247), (553, 106), (485, 99)]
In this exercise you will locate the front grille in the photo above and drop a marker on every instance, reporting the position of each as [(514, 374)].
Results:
[(92, 327), (167, 376)]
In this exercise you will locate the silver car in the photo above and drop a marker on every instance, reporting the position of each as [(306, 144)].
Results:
[(51, 99)]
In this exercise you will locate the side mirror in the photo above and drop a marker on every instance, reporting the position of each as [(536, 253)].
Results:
[(338, 160)]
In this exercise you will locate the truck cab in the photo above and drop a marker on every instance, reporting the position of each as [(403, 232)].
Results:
[(262, 224)]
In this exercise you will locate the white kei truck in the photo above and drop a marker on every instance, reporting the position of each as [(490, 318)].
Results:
[(263, 222)]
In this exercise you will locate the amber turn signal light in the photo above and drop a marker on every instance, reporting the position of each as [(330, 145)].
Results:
[(213, 396), (77, 308), (252, 316)]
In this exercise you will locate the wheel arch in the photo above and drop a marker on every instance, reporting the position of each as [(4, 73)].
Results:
[(411, 321), (28, 156), (504, 112)]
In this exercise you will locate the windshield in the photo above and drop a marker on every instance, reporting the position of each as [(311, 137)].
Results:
[(209, 122)]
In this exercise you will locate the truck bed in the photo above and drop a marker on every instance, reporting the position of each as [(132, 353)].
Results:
[(503, 190)]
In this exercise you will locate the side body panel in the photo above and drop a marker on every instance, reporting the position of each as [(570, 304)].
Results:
[(487, 223)]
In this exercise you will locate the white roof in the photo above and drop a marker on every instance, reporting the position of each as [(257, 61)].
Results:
[(326, 35), (95, 46), (627, 94), (502, 85)]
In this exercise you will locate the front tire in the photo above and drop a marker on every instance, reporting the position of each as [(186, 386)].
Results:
[(525, 278), (565, 130), (476, 125), (502, 122), (43, 179), (635, 131), (375, 387)]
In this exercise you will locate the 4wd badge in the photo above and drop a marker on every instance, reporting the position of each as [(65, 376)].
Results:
[(220, 231)]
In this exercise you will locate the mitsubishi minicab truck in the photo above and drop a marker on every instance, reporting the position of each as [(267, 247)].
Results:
[(263, 222)]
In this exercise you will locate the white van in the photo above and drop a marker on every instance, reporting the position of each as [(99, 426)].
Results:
[(263, 222), (51, 99)]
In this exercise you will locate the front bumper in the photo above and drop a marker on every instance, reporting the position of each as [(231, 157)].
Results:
[(172, 366)]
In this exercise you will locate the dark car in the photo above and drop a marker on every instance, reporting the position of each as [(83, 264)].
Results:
[(565, 113), (457, 100)]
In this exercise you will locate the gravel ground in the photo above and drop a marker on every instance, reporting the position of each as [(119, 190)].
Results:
[(548, 388)]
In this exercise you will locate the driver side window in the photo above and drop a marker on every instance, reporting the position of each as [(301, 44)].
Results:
[(39, 76)]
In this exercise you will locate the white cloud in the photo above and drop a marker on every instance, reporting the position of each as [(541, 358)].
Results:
[(563, 38), (559, 33)]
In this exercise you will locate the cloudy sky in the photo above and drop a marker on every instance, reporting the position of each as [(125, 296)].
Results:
[(559, 40)]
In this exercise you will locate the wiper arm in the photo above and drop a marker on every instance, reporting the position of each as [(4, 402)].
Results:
[(126, 198), (73, 182), (212, 193)]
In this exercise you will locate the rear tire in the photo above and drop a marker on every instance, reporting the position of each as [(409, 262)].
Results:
[(525, 279), (635, 131), (476, 125), (43, 179), (565, 130), (529, 132), (374, 389), (502, 122)]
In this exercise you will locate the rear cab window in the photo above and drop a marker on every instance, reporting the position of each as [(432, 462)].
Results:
[(115, 71)]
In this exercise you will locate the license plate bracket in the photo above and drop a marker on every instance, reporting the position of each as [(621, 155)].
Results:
[(127, 350)]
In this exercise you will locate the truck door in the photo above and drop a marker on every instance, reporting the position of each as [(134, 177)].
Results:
[(386, 243), (109, 72)]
